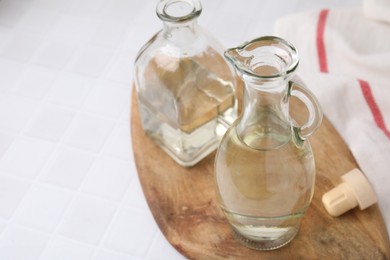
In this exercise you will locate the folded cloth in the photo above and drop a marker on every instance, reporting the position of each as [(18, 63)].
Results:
[(345, 61), (377, 9)]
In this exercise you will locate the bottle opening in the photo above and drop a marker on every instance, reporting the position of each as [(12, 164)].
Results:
[(178, 10)]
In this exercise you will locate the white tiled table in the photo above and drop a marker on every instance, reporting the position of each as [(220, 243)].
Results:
[(68, 184)]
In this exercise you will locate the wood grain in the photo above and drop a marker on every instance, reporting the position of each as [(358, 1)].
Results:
[(183, 203)]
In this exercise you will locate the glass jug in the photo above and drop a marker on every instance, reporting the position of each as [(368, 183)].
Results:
[(185, 87), (264, 168)]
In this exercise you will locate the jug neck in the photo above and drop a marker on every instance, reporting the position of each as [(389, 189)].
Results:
[(266, 95), (266, 65), (265, 122)]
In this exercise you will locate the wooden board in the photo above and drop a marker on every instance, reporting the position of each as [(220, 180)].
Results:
[(183, 203)]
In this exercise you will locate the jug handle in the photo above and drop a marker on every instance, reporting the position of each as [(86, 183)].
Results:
[(314, 120)]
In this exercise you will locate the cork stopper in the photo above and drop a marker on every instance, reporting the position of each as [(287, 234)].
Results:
[(354, 190)]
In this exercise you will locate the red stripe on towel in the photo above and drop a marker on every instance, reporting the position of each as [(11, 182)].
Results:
[(321, 51), (367, 93), (365, 87)]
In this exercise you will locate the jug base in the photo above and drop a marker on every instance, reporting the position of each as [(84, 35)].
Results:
[(265, 243)]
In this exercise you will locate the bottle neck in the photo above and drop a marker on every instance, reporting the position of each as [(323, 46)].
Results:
[(181, 33), (181, 29)]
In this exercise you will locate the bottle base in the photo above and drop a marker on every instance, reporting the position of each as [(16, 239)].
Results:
[(189, 149), (265, 243), (186, 148), (188, 162)]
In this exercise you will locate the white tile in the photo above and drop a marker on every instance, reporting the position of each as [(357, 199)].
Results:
[(86, 7), (74, 27), (208, 11), (2, 226), (42, 207), (26, 156), (92, 61), (22, 46), (11, 12), (270, 13), (55, 5), (87, 219), (70, 90), (161, 244), (105, 255), (55, 55), (262, 27), (64, 249), (148, 27), (12, 192), (139, 35), (50, 123), (39, 20), (231, 32), (119, 142), (10, 72), (132, 232), (109, 34), (35, 82), (109, 99), (123, 10), (21, 244), (134, 196), (89, 132), (126, 115), (67, 168), (108, 178), (122, 70), (5, 141), (15, 111), (5, 33)]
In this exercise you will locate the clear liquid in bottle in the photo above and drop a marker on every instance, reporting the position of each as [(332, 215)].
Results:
[(263, 197), (264, 167), (186, 108), (185, 87)]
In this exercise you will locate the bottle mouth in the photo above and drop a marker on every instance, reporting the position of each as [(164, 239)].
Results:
[(178, 10), (264, 57)]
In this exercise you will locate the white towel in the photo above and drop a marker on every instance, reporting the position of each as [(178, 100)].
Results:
[(377, 9), (345, 60)]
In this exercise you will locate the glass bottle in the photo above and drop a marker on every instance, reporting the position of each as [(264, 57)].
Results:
[(185, 87), (264, 168)]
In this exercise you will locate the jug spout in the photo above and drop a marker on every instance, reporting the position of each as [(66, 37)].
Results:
[(234, 56), (264, 57)]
